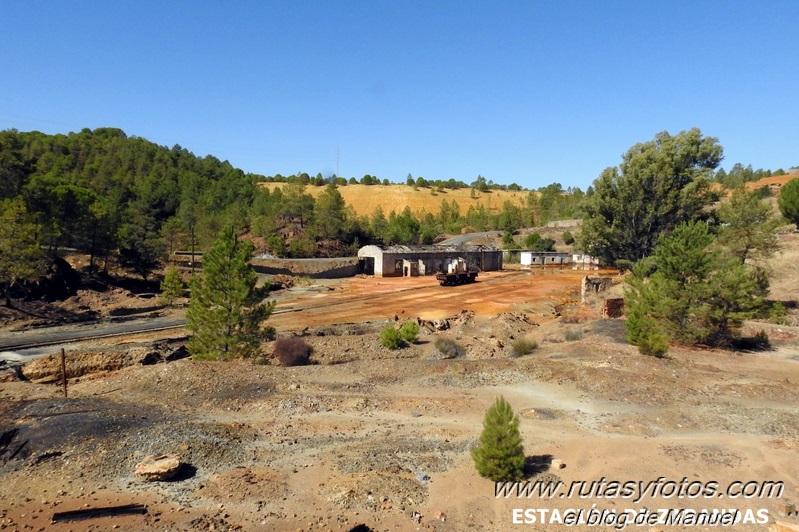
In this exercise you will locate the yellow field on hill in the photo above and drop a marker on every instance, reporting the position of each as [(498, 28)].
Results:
[(773, 181), (364, 199)]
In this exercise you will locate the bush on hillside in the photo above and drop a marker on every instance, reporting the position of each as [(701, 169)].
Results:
[(653, 345), (409, 331), (171, 286), (449, 348), (523, 346), (390, 337), (292, 351)]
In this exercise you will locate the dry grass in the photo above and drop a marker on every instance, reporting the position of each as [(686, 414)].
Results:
[(785, 269), (364, 199)]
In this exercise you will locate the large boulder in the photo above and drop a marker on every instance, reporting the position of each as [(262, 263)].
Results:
[(158, 467)]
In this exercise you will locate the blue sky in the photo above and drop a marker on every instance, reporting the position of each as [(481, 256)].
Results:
[(530, 92)]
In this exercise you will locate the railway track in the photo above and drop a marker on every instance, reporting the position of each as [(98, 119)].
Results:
[(60, 336)]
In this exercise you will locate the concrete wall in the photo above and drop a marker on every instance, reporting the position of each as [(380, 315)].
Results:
[(547, 258), (314, 268), (380, 260), (594, 285)]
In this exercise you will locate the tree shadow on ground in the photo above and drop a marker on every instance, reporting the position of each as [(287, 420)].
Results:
[(185, 472), (533, 465)]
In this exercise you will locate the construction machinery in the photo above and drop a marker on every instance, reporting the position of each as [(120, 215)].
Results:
[(457, 272)]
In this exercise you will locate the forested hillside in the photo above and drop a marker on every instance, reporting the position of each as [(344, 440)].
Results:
[(113, 196), (103, 192)]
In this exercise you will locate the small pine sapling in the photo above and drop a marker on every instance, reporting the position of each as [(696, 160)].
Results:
[(500, 455), (409, 331), (390, 337)]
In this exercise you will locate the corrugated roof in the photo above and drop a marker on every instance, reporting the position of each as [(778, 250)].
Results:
[(437, 249)]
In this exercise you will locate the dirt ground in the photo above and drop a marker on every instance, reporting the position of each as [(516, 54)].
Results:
[(536, 292), (372, 439)]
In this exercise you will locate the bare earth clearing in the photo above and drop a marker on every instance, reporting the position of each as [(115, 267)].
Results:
[(381, 438), (364, 199)]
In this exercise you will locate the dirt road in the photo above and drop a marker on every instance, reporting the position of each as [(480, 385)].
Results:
[(368, 299)]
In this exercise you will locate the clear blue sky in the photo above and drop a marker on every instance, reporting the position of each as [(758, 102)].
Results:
[(527, 91)]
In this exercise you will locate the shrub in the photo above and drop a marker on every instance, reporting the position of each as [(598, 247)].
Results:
[(572, 335), (171, 286), (292, 351), (568, 238), (762, 341), (277, 245), (777, 313), (535, 242), (523, 346), (409, 331), (390, 337), (654, 345), (500, 455), (268, 334), (449, 347)]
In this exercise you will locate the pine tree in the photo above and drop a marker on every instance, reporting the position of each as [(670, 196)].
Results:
[(658, 185), (409, 331), (172, 285), (788, 201), (690, 292), (226, 309), (20, 254), (500, 455), (748, 226)]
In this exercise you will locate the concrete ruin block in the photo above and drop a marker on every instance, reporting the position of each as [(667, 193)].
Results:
[(613, 307), (594, 285)]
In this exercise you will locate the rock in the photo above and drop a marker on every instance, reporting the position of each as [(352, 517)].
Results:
[(422, 477), (151, 358), (48, 369), (177, 354), (9, 374), (441, 325), (158, 467), (557, 464)]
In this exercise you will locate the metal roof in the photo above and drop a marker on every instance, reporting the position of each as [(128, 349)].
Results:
[(437, 249)]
